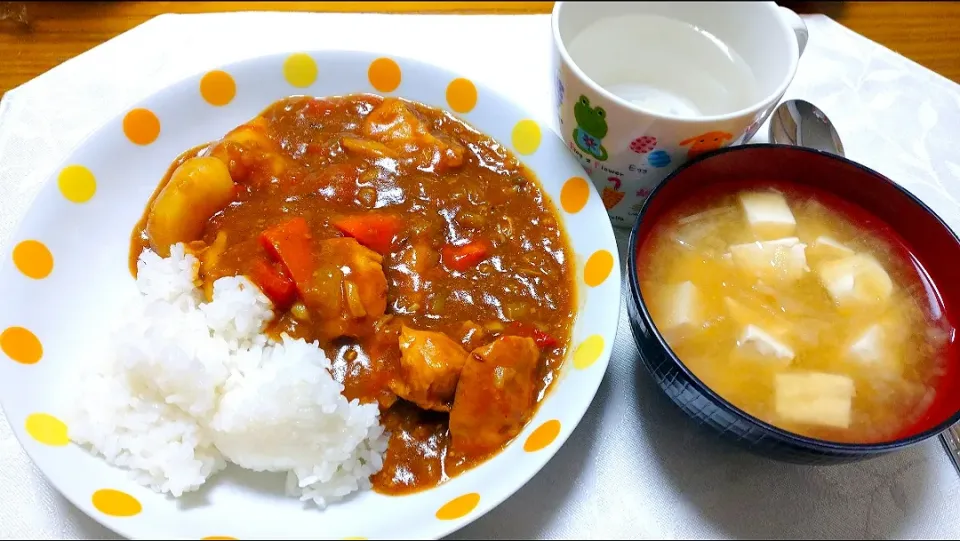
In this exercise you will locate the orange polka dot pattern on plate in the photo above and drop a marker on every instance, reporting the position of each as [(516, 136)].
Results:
[(77, 183), (46, 429), (384, 74), (141, 126), (300, 70), (461, 95), (21, 345), (217, 537), (542, 436), (526, 137), (218, 88), (33, 259), (588, 352), (597, 268), (574, 194), (459, 507), (116, 503)]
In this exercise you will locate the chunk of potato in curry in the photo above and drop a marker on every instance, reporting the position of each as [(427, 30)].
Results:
[(401, 239)]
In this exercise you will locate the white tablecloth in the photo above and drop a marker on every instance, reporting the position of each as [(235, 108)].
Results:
[(635, 467)]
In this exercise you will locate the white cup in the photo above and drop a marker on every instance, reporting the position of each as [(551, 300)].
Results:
[(642, 87)]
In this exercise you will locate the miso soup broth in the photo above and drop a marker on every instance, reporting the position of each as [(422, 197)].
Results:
[(799, 309)]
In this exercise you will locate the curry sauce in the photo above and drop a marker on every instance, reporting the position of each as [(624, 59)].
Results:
[(420, 254)]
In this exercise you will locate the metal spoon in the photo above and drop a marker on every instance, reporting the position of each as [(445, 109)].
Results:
[(800, 123)]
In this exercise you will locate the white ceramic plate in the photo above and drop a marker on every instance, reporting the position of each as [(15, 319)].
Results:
[(65, 276)]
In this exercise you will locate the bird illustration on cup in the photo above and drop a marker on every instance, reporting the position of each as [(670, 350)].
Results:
[(705, 142)]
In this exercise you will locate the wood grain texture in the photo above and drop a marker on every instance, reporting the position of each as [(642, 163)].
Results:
[(926, 32)]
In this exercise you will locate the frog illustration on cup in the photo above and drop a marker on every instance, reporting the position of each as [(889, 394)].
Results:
[(591, 128)]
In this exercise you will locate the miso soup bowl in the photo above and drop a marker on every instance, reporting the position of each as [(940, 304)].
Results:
[(931, 240)]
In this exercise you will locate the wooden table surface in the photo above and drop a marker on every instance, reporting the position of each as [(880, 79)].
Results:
[(36, 36)]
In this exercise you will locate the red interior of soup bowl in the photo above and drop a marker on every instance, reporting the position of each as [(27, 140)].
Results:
[(865, 195)]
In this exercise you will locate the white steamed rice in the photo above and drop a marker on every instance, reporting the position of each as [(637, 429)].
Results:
[(192, 386)]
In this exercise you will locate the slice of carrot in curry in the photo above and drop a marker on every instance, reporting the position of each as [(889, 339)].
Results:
[(289, 243), (461, 258), (375, 231), (278, 287)]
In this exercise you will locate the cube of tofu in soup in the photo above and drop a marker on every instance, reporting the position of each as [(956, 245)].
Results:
[(814, 398), (855, 280), (868, 346), (773, 260), (682, 309), (768, 215), (825, 248), (876, 349), (757, 343)]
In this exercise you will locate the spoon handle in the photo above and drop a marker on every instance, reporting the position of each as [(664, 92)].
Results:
[(951, 442)]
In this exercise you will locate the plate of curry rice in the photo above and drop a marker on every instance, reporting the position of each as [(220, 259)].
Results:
[(328, 294)]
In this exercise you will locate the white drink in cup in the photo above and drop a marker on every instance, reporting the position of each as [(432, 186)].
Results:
[(643, 87)]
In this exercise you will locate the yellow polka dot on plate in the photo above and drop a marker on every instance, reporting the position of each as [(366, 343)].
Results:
[(141, 126), (21, 345), (574, 194), (300, 70), (216, 537), (354, 538), (47, 429), (588, 352), (462, 95), (459, 507), (384, 74), (33, 259), (218, 88), (597, 268), (542, 436), (116, 503), (77, 183), (526, 136)]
